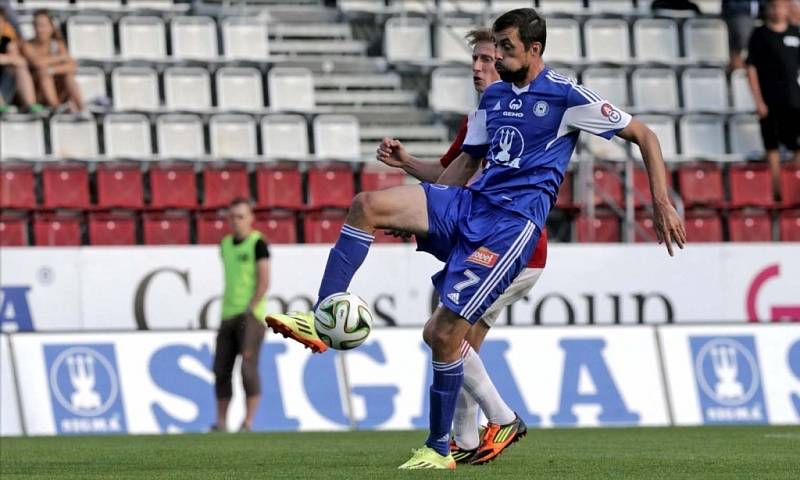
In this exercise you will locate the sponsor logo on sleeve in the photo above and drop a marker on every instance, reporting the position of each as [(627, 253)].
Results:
[(728, 379), (483, 256), (85, 388), (611, 113)]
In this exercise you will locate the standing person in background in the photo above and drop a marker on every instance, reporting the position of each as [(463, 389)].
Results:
[(245, 258), (794, 16), (773, 70), (53, 68), (15, 78), (740, 17)]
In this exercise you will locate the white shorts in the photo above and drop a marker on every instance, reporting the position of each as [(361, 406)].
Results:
[(518, 289)]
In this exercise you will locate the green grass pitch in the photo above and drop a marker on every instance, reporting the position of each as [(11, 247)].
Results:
[(703, 452)]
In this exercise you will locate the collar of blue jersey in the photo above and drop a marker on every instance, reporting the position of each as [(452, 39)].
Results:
[(535, 83)]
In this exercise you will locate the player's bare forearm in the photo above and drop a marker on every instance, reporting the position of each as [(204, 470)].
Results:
[(422, 170), (262, 283), (667, 224), (460, 170)]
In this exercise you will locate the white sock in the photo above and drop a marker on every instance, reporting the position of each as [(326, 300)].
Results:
[(478, 384), (465, 421)]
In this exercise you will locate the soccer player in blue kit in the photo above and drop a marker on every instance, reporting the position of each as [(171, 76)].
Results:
[(526, 128)]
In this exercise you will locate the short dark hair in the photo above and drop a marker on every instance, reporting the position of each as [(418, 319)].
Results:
[(479, 35), (240, 201), (530, 25)]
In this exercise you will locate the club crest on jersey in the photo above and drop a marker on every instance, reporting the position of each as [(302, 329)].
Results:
[(611, 113), (483, 256), (541, 108), (507, 147)]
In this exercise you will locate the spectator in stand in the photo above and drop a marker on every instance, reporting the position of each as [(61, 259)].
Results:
[(794, 17), (773, 71), (15, 78), (740, 16), (53, 68)]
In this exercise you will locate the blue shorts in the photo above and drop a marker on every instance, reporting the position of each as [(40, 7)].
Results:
[(484, 248)]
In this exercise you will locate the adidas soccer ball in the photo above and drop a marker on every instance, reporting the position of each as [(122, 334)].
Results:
[(343, 321)]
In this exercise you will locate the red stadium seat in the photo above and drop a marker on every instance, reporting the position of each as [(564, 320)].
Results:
[(751, 185), (703, 226), (641, 185), (173, 186), (118, 228), (378, 178), (790, 225), (608, 188), (65, 186), (13, 230), (605, 228), (277, 227), (790, 184), (279, 186), (119, 185), (644, 231), (211, 227), (323, 227), (17, 187), (223, 183), (330, 185), (170, 228), (749, 226), (565, 192), (701, 184), (57, 230)]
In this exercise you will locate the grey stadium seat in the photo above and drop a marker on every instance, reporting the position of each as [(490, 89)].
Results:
[(610, 83), (706, 40), (285, 137), (239, 88), (100, 4), (407, 39), (655, 89), (73, 136), (563, 40), (194, 38), (702, 136), (451, 46), (233, 136), (187, 88), (142, 38), (664, 128), (90, 37), (91, 82), (245, 38), (612, 6), (135, 88), (656, 40), (337, 137), (561, 6), (607, 40), (745, 135), (21, 136), (180, 136), (704, 89), (291, 89), (740, 92), (127, 135), (452, 90)]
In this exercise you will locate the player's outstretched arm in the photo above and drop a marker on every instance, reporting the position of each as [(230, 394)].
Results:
[(668, 225), (460, 170), (394, 154)]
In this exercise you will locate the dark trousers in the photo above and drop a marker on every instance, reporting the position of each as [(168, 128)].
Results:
[(243, 335)]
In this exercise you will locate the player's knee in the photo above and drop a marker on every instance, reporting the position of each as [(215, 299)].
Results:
[(363, 206), (443, 342), (426, 334)]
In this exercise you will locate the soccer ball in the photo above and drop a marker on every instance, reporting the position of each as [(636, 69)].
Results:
[(343, 321)]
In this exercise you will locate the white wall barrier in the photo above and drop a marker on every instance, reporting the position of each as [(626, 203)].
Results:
[(9, 406), (112, 288), (149, 382)]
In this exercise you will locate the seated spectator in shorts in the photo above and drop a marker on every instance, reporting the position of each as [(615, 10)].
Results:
[(740, 15), (15, 78), (773, 71), (53, 68)]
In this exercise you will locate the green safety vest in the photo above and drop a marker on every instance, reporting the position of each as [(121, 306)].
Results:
[(241, 276)]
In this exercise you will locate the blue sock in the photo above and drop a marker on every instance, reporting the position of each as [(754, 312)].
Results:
[(346, 256), (447, 379)]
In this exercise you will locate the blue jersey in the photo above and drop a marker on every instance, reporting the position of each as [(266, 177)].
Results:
[(527, 136)]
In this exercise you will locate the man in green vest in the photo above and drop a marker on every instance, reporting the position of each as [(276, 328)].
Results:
[(245, 257)]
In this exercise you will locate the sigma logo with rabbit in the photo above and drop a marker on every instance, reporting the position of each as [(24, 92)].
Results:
[(85, 388), (728, 379)]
